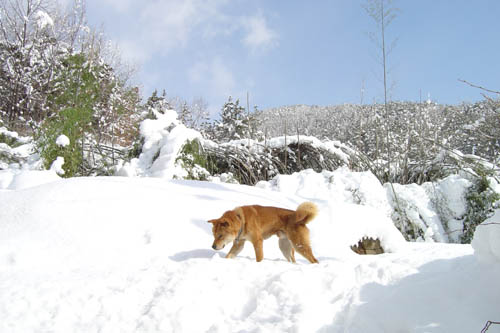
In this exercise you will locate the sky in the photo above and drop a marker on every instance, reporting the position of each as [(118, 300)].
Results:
[(286, 52)]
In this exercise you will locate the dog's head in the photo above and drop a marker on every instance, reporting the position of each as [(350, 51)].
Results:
[(225, 229)]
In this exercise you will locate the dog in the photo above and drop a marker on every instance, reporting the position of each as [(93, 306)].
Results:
[(256, 223)]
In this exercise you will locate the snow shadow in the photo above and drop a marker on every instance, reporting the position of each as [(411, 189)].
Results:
[(193, 254), (445, 295)]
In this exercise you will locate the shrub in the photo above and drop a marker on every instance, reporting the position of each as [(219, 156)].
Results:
[(481, 203), (195, 161), (71, 123)]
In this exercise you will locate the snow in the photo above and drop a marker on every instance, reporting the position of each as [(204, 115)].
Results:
[(56, 166), (486, 242), (30, 178), (62, 141), (333, 147), (435, 208), (117, 254), (43, 19), (163, 139), (133, 254)]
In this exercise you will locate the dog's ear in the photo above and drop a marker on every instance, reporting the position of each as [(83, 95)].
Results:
[(224, 224), (212, 221)]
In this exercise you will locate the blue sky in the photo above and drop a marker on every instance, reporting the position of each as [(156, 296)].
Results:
[(317, 52)]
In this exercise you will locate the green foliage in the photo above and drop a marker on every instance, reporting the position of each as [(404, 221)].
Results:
[(77, 98), (10, 141), (234, 123), (71, 123), (195, 161), (481, 202), (136, 148)]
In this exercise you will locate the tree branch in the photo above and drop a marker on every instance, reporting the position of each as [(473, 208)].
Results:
[(489, 223), (479, 87), (488, 324)]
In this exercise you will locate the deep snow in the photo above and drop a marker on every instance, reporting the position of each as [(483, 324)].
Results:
[(122, 254)]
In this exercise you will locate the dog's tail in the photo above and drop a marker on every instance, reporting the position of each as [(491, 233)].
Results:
[(305, 213)]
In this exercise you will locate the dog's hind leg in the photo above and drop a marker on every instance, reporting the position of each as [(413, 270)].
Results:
[(236, 248), (286, 247), (306, 251), (299, 237)]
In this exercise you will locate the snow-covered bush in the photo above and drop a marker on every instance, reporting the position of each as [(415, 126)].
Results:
[(194, 161), (446, 210), (413, 213), (72, 123), (16, 152), (251, 161), (482, 201), (427, 141), (164, 138)]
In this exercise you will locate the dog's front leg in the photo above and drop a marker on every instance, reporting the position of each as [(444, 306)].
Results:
[(259, 252), (236, 248)]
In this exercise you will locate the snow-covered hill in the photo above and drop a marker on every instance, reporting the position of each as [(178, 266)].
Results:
[(121, 254)]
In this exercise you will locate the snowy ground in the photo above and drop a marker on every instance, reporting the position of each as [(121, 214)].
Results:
[(133, 255)]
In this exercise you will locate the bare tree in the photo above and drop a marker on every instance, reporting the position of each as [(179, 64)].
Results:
[(383, 13)]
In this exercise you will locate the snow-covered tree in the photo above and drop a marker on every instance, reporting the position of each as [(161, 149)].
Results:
[(233, 124), (35, 37)]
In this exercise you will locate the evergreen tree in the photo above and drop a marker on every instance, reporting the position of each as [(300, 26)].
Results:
[(158, 103), (185, 116), (234, 122)]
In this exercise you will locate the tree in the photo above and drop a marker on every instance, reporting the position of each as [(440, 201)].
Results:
[(79, 93), (93, 109), (199, 113), (383, 13), (234, 122), (34, 40), (185, 115)]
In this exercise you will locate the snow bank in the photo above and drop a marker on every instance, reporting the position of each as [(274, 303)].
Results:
[(486, 241), (354, 205), (28, 178), (433, 212), (163, 140), (412, 203)]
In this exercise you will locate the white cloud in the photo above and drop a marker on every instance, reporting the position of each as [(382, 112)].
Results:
[(258, 34), (171, 23), (217, 82), (119, 5), (166, 25), (214, 76)]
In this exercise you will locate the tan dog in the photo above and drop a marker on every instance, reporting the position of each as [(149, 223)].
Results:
[(256, 223)]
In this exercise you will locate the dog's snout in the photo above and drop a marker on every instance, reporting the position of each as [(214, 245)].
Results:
[(214, 247)]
